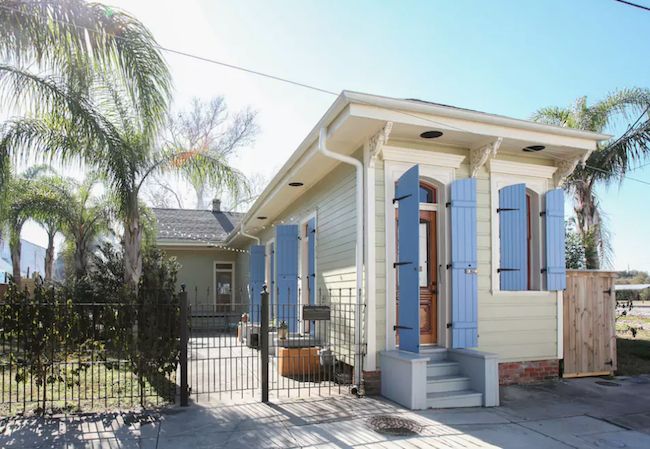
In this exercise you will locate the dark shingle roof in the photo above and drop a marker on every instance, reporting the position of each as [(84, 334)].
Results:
[(190, 225)]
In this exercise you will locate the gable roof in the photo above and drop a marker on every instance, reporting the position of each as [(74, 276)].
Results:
[(187, 226)]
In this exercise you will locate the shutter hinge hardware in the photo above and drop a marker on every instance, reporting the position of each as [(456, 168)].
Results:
[(399, 198), (449, 325), (448, 203), (499, 270), (506, 209), (542, 214), (543, 270), (402, 327), (397, 264)]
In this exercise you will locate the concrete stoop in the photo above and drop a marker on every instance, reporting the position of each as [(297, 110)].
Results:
[(440, 378)]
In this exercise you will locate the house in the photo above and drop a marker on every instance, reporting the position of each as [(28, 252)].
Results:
[(445, 224), (32, 259)]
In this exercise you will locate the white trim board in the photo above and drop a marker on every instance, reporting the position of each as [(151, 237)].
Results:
[(441, 176)]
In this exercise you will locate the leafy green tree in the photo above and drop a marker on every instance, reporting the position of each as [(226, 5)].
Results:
[(575, 251), (608, 164), (74, 42)]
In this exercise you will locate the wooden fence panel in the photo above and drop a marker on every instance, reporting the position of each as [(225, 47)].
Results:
[(589, 324)]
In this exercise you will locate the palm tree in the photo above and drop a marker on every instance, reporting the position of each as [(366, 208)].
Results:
[(117, 142), (26, 197), (74, 42), (84, 219), (609, 163)]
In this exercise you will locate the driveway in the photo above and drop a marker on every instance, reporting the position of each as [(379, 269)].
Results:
[(578, 413)]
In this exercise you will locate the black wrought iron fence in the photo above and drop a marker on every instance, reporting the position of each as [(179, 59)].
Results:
[(313, 349), (63, 356)]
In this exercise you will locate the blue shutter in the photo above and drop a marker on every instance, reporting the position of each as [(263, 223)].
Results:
[(271, 281), (555, 259), (464, 283), (256, 267), (408, 259), (311, 260), (286, 241), (513, 265)]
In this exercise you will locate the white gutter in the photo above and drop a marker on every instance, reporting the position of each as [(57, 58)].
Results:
[(358, 165), (242, 233)]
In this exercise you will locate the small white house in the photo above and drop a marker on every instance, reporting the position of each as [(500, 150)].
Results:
[(446, 224)]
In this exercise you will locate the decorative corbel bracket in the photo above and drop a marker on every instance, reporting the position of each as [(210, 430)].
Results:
[(377, 142), (478, 157), (565, 167)]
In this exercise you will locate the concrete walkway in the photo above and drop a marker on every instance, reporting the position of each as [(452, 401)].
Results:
[(565, 414)]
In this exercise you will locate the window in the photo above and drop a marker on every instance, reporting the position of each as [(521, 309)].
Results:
[(427, 194)]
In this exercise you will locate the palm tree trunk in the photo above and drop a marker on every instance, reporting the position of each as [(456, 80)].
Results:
[(49, 257), (14, 248), (133, 248), (587, 217)]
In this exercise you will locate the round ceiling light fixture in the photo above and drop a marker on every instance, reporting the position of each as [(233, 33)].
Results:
[(533, 148), (296, 184), (431, 134)]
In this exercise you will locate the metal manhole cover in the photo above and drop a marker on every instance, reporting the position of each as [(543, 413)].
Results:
[(394, 425), (607, 383)]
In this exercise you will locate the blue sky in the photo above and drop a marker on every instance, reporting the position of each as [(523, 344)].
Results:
[(506, 57)]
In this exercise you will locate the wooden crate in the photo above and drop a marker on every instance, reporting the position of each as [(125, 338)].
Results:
[(298, 361)]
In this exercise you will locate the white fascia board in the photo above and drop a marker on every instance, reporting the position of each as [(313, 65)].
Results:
[(469, 115)]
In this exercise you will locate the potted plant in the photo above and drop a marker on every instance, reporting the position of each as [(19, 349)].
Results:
[(283, 330)]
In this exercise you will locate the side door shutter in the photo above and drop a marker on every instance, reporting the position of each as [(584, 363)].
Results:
[(555, 252), (464, 263), (408, 259), (513, 248), (311, 260), (256, 267), (286, 254)]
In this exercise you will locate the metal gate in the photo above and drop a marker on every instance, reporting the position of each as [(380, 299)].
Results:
[(267, 350)]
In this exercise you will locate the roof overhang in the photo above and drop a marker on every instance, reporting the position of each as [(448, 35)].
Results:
[(355, 117)]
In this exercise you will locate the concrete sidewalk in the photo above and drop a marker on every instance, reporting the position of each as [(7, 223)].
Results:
[(566, 414)]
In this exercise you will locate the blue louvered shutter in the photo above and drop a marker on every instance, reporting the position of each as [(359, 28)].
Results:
[(464, 283), (408, 259), (311, 260), (555, 258), (271, 281), (513, 246), (286, 254), (256, 267)]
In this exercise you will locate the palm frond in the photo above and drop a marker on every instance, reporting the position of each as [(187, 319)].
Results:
[(75, 38), (553, 115)]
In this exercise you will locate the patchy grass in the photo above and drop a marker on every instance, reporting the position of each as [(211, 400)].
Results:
[(98, 388), (633, 351)]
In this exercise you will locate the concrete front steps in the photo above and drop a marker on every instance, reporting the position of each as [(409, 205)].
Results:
[(446, 386), (440, 378)]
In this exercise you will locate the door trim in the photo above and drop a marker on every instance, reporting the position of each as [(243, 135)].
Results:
[(232, 280), (440, 176)]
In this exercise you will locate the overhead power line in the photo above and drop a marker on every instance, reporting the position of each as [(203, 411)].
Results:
[(297, 83), (635, 5)]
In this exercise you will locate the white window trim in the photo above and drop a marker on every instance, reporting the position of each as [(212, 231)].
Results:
[(538, 178), (232, 280), (441, 169)]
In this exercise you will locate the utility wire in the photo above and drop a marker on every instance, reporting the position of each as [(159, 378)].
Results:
[(635, 5), (297, 83)]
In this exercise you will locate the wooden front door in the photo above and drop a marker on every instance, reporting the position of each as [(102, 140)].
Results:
[(428, 278)]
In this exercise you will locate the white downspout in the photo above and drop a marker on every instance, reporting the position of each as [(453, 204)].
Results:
[(322, 148), (242, 233)]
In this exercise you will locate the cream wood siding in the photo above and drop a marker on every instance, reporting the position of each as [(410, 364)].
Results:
[(196, 271), (333, 202), (517, 327)]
